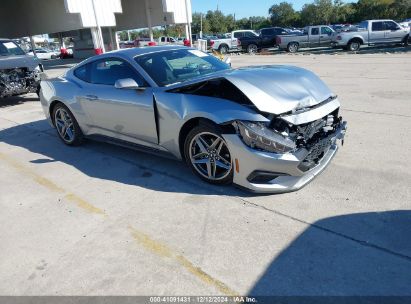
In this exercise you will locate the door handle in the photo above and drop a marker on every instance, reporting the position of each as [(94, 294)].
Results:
[(91, 97)]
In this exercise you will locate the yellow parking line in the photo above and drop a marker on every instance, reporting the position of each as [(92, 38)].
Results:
[(50, 185), (164, 251)]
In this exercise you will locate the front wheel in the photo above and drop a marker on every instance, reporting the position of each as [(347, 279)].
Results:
[(208, 156), (407, 40), (67, 127)]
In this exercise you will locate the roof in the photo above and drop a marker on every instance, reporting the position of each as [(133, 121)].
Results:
[(132, 52)]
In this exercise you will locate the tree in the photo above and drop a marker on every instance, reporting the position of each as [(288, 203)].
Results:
[(217, 22), (283, 14), (196, 23)]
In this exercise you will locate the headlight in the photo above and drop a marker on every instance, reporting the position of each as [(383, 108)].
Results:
[(257, 135)]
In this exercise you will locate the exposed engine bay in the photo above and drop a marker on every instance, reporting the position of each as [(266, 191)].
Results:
[(19, 81)]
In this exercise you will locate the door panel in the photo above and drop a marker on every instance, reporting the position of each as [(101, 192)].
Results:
[(325, 36), (393, 32), (126, 114), (121, 113), (314, 37), (377, 32)]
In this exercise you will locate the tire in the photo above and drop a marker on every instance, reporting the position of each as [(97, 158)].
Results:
[(293, 47), (205, 145), (252, 49), (223, 49), (66, 125), (354, 46), (407, 40)]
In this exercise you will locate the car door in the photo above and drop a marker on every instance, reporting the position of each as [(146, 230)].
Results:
[(393, 32), (377, 32), (126, 114), (314, 38), (238, 36), (325, 36)]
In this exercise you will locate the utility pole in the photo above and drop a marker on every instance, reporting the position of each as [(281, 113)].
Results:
[(201, 25)]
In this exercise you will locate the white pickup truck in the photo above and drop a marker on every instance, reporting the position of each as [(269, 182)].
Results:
[(227, 45), (372, 32)]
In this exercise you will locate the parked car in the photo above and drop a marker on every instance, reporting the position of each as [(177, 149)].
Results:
[(44, 54), (312, 36), (372, 32), (166, 40), (19, 72), (268, 129)]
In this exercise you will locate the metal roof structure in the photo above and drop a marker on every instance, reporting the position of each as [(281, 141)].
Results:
[(19, 18)]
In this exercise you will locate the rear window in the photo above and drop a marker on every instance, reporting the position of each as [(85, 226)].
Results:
[(315, 31), (81, 73)]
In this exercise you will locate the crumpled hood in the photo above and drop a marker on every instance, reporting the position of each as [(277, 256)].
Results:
[(24, 61), (279, 89)]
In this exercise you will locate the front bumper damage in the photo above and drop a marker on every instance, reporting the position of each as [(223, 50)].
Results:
[(265, 172)]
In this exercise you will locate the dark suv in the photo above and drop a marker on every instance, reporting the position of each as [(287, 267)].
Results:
[(269, 36)]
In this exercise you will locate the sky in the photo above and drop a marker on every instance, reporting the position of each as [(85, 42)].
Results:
[(243, 8)]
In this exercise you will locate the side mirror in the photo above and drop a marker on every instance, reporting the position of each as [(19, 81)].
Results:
[(126, 83)]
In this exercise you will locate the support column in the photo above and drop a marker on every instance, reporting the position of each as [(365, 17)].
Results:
[(99, 41), (188, 12), (33, 45), (148, 16)]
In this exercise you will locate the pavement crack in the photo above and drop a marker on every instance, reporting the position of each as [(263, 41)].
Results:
[(324, 229), (377, 113)]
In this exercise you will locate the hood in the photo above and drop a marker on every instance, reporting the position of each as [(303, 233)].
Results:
[(279, 89), (24, 61)]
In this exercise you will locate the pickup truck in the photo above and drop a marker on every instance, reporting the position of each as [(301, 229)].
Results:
[(312, 36), (372, 32), (231, 44)]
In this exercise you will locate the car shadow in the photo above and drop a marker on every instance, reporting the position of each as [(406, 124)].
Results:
[(16, 100), (110, 162), (364, 254)]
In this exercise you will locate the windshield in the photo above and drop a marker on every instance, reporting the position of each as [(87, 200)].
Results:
[(170, 67), (8, 48)]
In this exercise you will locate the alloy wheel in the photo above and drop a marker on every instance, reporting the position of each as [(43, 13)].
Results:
[(64, 125), (210, 156)]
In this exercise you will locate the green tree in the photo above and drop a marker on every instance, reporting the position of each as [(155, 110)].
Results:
[(283, 14), (196, 23), (217, 21)]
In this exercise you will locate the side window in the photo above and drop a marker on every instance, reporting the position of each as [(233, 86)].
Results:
[(315, 31), (377, 26), (326, 31), (268, 32), (108, 71), (81, 73), (390, 26), (238, 35), (163, 39), (249, 35)]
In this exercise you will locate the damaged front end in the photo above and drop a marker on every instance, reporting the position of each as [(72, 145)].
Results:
[(19, 81), (288, 151), (281, 136)]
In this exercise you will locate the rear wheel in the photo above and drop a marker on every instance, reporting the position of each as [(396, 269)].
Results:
[(67, 127), (207, 154), (354, 46), (252, 49), (223, 49), (293, 47)]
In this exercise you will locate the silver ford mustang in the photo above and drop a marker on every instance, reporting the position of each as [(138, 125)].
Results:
[(267, 128)]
